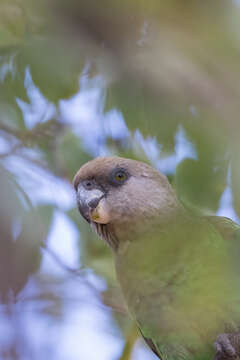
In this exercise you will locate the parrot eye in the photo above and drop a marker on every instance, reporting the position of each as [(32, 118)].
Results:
[(88, 184), (119, 176)]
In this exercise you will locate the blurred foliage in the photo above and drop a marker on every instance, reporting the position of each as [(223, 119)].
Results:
[(165, 65)]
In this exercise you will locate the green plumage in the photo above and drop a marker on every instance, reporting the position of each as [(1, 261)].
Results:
[(182, 284)]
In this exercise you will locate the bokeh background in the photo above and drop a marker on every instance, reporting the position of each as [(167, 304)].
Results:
[(152, 80)]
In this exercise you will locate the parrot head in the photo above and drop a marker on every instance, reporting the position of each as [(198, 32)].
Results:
[(120, 197)]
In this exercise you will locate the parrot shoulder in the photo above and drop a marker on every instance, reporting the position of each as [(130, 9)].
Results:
[(228, 229)]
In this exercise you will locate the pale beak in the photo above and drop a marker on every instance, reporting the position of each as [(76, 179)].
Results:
[(91, 204)]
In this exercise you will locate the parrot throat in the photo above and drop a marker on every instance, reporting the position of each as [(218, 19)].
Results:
[(106, 234), (130, 229)]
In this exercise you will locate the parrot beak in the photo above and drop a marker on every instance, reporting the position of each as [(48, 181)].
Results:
[(92, 205)]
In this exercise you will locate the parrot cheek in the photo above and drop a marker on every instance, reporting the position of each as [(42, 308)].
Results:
[(101, 214)]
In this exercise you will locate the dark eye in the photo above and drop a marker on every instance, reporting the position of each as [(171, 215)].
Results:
[(88, 184), (119, 176)]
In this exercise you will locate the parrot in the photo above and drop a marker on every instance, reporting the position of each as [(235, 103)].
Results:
[(178, 270)]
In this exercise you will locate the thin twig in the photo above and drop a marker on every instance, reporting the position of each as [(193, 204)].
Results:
[(61, 263), (130, 342), (80, 272), (11, 151)]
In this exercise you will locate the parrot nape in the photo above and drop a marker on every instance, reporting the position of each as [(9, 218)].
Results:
[(179, 273)]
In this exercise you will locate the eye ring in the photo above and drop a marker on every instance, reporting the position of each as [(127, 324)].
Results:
[(88, 184), (119, 176)]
